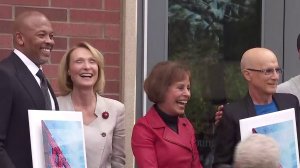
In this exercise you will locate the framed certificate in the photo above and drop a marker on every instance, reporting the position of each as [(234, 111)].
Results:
[(57, 139)]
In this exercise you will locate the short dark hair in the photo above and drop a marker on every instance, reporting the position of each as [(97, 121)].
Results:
[(298, 42), (163, 75)]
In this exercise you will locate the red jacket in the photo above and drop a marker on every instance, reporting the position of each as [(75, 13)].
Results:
[(155, 145)]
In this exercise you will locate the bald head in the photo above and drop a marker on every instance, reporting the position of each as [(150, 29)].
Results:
[(23, 19), (260, 69), (256, 57), (33, 36)]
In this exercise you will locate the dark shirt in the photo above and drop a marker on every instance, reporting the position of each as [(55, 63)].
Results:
[(171, 121)]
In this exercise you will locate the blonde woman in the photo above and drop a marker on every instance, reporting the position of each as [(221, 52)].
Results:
[(81, 81)]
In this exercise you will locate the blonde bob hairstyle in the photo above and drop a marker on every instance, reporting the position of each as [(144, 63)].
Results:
[(64, 80), (163, 75)]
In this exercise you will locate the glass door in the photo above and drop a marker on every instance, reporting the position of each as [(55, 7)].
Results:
[(211, 36)]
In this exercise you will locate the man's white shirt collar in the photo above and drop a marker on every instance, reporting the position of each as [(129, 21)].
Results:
[(30, 65), (33, 69)]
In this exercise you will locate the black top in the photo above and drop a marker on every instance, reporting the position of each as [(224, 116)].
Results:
[(171, 121)]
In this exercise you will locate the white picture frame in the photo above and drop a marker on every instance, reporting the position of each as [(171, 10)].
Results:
[(281, 126), (62, 128)]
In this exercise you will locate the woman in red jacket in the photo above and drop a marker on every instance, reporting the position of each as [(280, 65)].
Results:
[(162, 138)]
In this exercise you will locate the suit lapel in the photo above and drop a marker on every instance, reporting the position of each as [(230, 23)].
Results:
[(28, 81), (250, 106), (281, 103), (100, 106), (181, 139)]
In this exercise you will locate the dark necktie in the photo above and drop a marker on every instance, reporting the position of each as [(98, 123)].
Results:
[(44, 88)]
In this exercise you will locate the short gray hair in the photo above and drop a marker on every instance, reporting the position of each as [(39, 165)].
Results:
[(257, 151)]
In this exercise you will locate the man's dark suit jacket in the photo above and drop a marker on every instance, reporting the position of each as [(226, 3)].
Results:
[(19, 91), (227, 133)]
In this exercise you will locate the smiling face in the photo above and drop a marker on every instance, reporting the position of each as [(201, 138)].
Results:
[(261, 85), (34, 37), (264, 84), (83, 68), (176, 97)]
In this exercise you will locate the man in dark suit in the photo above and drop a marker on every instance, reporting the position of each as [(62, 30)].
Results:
[(261, 71), (20, 87)]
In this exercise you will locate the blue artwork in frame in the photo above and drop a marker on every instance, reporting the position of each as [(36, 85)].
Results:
[(281, 126), (283, 134), (63, 147), (57, 139)]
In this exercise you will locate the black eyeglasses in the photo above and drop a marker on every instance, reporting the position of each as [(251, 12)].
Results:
[(267, 71)]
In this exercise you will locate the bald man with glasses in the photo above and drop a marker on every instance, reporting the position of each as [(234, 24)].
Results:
[(291, 86), (260, 69)]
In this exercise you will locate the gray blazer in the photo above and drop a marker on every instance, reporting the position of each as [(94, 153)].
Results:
[(104, 138)]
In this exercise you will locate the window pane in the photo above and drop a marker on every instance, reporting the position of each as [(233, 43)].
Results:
[(211, 37)]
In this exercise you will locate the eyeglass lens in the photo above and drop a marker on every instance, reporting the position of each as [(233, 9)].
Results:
[(271, 70)]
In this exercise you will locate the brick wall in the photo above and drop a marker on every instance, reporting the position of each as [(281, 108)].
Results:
[(95, 21)]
